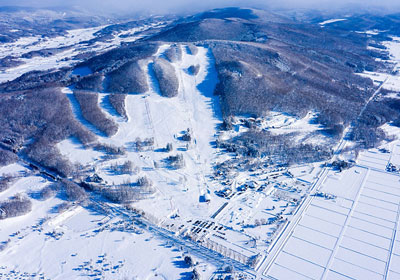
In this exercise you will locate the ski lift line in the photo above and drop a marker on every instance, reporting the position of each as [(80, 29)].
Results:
[(191, 125), (151, 126)]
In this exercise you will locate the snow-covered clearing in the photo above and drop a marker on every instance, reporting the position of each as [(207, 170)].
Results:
[(84, 245), (69, 148), (370, 32), (302, 130), (323, 23), (36, 43), (391, 80)]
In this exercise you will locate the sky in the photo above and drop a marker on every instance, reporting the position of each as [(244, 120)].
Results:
[(178, 6)]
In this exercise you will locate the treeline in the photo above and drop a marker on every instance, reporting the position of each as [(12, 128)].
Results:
[(65, 189), (93, 82), (174, 53), (115, 58), (88, 102), (38, 80), (46, 154), (212, 28), (192, 49), (5, 182), (255, 80), (142, 145), (45, 52), (14, 207), (48, 192), (72, 191), (166, 77), (109, 149), (126, 192), (129, 78), (10, 61), (175, 161), (125, 168), (280, 149), (194, 69), (7, 157), (117, 101), (366, 131), (35, 121)]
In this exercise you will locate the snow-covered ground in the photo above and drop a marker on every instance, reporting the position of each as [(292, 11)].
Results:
[(73, 42), (391, 80), (302, 130), (370, 32), (79, 243), (323, 23), (85, 245)]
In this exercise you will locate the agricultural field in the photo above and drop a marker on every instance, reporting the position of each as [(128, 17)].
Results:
[(353, 235)]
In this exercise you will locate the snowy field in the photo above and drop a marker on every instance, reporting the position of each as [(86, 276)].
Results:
[(391, 80), (81, 244)]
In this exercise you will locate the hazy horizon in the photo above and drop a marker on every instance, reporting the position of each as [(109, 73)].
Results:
[(182, 6)]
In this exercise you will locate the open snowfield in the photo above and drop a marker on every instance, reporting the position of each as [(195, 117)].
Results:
[(323, 23), (391, 80), (81, 244)]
